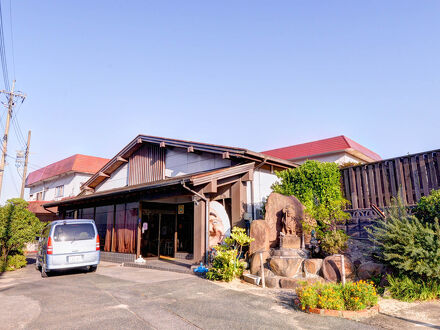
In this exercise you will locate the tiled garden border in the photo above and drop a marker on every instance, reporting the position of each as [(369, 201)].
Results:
[(352, 315)]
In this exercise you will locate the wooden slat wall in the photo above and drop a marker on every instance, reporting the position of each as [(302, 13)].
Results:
[(414, 176), (147, 164)]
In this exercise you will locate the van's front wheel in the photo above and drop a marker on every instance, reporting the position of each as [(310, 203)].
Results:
[(92, 269)]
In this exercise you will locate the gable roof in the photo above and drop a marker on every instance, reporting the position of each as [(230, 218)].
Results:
[(196, 179), (227, 152), (325, 146), (76, 163)]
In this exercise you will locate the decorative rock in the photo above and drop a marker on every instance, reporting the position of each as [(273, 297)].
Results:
[(267, 273), (274, 214), (290, 283), (369, 269), (332, 271), (290, 242), (290, 253), (312, 266), (287, 267), (272, 282), (315, 279), (260, 233), (255, 262)]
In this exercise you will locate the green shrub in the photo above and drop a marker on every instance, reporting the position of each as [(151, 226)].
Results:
[(18, 226), (428, 207), (352, 296), (14, 262), (408, 245), (407, 289), (226, 264), (317, 185), (333, 241)]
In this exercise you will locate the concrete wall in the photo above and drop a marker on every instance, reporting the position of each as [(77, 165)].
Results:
[(180, 162), (117, 179), (263, 180), (71, 182)]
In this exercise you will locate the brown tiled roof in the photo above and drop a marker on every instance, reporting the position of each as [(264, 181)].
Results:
[(36, 207), (76, 163)]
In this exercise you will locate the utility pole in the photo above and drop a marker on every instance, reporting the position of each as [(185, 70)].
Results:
[(23, 182), (11, 104)]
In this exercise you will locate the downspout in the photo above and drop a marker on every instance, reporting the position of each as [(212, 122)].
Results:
[(252, 189), (206, 200)]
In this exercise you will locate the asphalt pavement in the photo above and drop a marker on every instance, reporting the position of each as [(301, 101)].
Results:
[(131, 298)]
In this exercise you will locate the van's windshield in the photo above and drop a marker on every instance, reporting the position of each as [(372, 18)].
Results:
[(73, 232)]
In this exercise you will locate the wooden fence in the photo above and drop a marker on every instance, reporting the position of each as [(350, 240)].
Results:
[(413, 176)]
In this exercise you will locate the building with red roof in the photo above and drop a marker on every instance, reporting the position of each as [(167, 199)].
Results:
[(338, 149), (60, 180), (63, 178)]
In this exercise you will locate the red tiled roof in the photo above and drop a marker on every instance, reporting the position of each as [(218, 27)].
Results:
[(76, 163), (337, 143), (36, 207)]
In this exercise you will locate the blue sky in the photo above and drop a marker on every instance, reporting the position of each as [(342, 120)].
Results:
[(254, 74)]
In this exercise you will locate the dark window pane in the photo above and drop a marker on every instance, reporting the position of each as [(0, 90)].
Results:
[(104, 223), (71, 232)]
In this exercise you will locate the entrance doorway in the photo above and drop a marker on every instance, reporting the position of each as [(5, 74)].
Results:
[(167, 230), (158, 233)]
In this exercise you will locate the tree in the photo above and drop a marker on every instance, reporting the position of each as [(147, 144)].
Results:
[(18, 226), (318, 186)]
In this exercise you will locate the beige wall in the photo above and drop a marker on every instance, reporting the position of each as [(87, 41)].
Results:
[(338, 158)]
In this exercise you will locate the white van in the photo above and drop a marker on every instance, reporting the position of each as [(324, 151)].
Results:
[(68, 244)]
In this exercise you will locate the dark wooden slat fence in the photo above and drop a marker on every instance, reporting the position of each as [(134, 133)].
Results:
[(376, 183)]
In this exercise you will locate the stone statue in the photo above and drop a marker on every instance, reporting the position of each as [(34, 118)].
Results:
[(289, 223)]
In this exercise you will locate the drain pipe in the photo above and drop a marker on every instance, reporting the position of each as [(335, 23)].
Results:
[(206, 200)]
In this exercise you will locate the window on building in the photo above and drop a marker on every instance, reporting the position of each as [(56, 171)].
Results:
[(39, 196), (59, 191)]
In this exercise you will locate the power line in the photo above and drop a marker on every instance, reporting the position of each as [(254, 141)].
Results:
[(12, 38), (3, 53)]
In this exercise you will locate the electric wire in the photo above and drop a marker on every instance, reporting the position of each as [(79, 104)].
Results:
[(12, 38), (3, 53)]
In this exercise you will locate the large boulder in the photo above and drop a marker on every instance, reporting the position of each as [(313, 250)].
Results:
[(312, 266), (274, 215), (260, 233), (332, 269), (369, 269), (287, 267), (255, 264)]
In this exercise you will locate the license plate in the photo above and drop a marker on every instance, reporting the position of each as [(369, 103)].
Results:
[(74, 259)]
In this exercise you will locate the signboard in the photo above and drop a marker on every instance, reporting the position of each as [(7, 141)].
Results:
[(181, 209), (144, 227)]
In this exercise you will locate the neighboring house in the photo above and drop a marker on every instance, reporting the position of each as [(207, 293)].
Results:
[(338, 149), (59, 180), (167, 197)]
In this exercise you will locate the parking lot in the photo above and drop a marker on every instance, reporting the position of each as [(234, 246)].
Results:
[(121, 297)]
